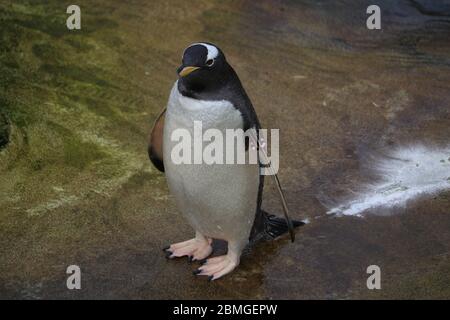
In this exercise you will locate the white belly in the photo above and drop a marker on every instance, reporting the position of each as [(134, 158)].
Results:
[(218, 200)]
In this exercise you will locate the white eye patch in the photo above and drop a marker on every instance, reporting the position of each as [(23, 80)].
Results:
[(213, 52)]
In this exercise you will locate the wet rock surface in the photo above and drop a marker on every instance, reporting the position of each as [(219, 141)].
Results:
[(4, 131), (76, 186)]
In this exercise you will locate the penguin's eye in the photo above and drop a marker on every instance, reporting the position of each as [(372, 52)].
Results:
[(210, 62)]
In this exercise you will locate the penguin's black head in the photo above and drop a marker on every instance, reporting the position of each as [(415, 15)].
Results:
[(203, 68)]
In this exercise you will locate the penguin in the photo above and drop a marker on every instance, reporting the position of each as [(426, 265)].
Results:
[(220, 201)]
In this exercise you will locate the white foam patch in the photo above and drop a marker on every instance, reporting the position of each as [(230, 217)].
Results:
[(405, 174)]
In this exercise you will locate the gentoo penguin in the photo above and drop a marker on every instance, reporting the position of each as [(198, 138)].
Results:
[(220, 201)]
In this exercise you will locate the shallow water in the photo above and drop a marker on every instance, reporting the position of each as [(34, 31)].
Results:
[(76, 186)]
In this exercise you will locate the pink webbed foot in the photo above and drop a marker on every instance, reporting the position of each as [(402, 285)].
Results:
[(217, 267), (196, 249)]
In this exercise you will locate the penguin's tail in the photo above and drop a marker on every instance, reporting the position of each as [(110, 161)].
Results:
[(275, 226)]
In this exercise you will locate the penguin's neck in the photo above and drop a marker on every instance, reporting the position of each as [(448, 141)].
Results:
[(207, 90), (192, 90)]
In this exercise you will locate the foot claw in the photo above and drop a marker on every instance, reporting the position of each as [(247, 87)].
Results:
[(196, 272), (195, 249), (217, 267)]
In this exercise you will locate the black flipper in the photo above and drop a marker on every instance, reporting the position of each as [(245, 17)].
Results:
[(155, 145)]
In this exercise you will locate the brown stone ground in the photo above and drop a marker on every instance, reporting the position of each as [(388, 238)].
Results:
[(76, 186)]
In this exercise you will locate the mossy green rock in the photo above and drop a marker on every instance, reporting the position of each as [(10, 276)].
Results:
[(4, 131)]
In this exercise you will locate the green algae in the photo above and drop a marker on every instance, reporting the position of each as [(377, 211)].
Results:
[(76, 185), (69, 73), (58, 91), (4, 131), (79, 154)]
